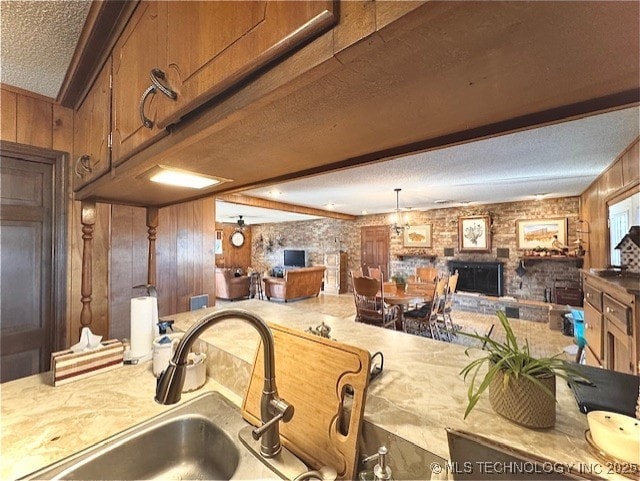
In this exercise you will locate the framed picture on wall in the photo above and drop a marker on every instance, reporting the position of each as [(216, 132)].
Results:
[(418, 236), (474, 233), (532, 233)]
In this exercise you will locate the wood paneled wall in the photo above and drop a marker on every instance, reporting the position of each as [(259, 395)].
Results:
[(185, 254), (186, 234), (234, 256), (622, 175), (32, 119), (128, 265)]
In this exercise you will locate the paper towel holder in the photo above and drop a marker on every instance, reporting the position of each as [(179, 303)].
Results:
[(151, 289)]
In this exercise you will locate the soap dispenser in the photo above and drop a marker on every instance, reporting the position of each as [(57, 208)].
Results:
[(381, 471)]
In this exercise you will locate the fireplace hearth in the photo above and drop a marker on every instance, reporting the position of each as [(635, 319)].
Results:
[(481, 277)]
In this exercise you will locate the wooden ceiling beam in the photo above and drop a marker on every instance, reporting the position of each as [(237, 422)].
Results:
[(282, 206)]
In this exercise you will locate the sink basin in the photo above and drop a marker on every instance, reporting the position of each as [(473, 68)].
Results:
[(197, 440)]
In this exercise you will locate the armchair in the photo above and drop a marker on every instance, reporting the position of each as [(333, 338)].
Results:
[(229, 287)]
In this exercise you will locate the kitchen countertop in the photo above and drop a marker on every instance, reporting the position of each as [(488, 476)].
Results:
[(419, 393), (627, 281)]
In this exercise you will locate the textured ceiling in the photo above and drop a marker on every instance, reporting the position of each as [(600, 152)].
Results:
[(558, 160), (37, 40)]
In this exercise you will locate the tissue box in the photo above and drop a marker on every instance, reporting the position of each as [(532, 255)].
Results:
[(68, 366)]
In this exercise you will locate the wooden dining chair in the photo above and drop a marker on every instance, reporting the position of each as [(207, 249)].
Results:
[(368, 296), (426, 274), (424, 321), (375, 273), (444, 315)]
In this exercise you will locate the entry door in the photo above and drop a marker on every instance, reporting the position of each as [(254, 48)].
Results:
[(26, 222), (375, 248)]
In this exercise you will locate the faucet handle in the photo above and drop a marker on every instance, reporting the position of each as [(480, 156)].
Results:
[(381, 470), (284, 412)]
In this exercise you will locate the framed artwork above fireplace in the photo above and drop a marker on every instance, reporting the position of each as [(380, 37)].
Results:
[(474, 233), (533, 233), (418, 236)]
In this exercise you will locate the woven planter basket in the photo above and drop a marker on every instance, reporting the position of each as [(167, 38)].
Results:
[(523, 402)]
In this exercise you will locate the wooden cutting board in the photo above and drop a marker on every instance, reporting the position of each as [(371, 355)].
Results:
[(312, 374)]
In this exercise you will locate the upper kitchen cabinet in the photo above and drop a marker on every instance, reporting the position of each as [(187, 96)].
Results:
[(210, 46), (92, 125), (174, 56), (135, 96)]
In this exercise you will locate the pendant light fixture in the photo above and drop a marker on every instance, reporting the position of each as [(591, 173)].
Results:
[(400, 223)]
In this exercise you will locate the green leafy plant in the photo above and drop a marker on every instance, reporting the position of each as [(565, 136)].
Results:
[(399, 278), (513, 360)]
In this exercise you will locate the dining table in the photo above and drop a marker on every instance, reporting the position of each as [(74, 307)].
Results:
[(402, 298)]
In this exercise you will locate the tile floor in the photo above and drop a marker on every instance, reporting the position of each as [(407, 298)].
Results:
[(542, 340)]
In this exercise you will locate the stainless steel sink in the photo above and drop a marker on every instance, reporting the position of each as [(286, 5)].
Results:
[(197, 440)]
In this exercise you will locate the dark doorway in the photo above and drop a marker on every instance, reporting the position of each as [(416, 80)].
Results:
[(375, 248), (33, 258)]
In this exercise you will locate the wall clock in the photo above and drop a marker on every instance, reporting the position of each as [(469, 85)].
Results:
[(237, 239)]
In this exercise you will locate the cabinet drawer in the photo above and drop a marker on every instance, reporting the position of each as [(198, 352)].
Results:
[(617, 313), (593, 329), (593, 296)]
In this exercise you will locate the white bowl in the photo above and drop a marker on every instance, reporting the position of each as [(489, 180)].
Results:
[(196, 374), (616, 434)]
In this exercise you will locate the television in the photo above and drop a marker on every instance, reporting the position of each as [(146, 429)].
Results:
[(294, 258)]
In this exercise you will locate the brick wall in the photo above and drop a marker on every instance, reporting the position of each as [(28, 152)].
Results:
[(319, 236)]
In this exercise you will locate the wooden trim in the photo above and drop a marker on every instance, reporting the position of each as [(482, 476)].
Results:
[(283, 206), (26, 93), (88, 219), (105, 22), (623, 193), (152, 229), (59, 232)]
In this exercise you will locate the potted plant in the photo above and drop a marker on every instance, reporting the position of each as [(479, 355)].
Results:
[(401, 281), (521, 387)]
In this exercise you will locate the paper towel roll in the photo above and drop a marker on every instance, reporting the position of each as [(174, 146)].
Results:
[(144, 315)]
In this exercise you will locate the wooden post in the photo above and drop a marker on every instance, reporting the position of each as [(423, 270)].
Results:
[(88, 219), (152, 225)]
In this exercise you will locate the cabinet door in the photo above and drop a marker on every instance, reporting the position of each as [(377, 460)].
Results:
[(91, 127), (593, 329), (212, 45), (134, 56), (617, 350)]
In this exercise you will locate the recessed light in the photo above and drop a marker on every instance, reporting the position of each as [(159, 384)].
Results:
[(364, 212), (329, 206), (539, 196), (182, 178), (275, 193)]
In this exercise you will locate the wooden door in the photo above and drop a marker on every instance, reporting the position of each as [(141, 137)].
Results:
[(375, 248), (91, 128), (212, 45), (26, 223), (134, 56)]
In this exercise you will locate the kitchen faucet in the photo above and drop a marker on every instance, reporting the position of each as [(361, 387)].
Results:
[(272, 408)]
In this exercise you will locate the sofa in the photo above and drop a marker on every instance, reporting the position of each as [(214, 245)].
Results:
[(230, 287), (296, 283)]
